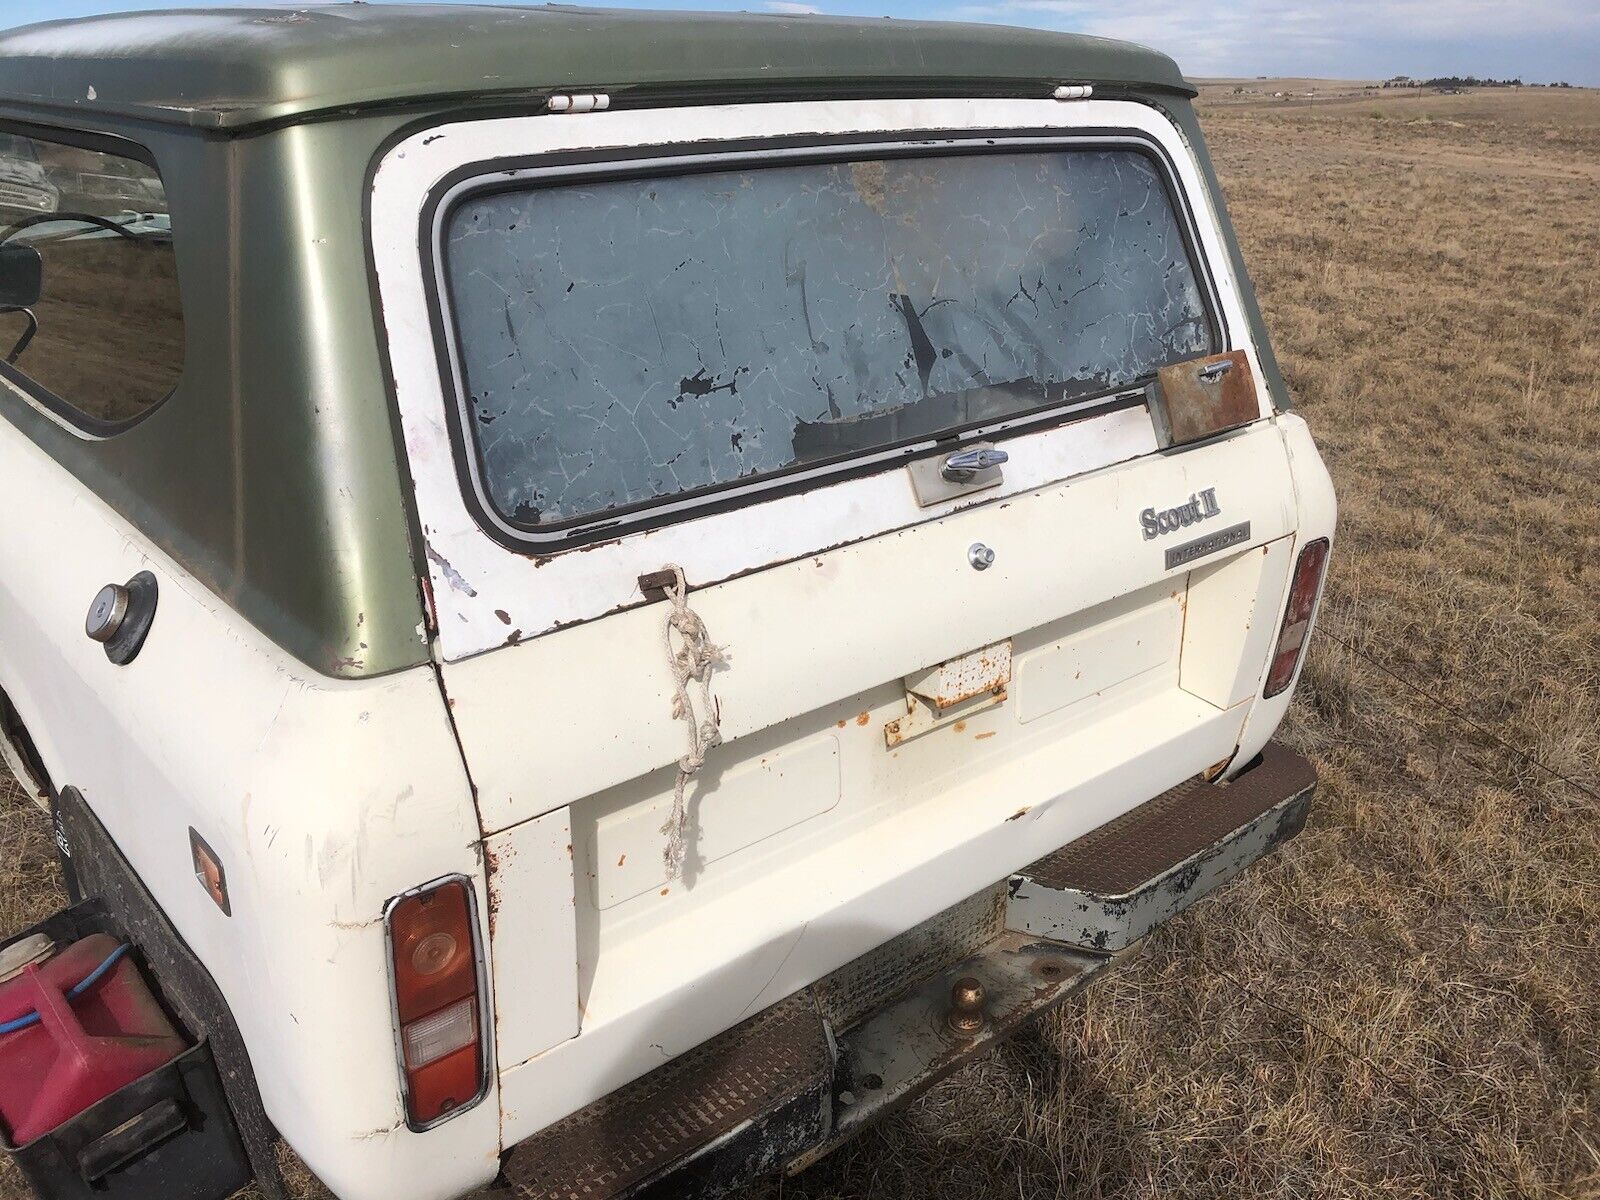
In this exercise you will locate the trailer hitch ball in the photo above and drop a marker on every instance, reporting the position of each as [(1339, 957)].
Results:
[(966, 1006)]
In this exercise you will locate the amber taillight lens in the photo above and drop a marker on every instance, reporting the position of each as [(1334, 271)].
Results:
[(1297, 616), (434, 966)]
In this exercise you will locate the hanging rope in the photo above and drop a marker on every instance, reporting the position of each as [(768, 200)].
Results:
[(691, 658)]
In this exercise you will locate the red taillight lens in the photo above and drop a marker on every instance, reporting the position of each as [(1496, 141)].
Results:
[(1297, 615), (435, 971)]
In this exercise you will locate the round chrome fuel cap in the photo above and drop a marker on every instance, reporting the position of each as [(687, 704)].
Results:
[(107, 612)]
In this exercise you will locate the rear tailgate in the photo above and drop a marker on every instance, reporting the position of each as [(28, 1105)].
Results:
[(1136, 593)]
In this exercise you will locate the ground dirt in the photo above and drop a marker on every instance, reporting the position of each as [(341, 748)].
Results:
[(1405, 1001)]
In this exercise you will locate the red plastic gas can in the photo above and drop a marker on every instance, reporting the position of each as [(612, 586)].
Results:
[(82, 1048)]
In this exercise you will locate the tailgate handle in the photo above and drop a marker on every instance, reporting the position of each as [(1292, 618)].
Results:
[(1212, 372), (964, 464)]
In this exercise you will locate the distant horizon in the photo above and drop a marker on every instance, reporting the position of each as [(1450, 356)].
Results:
[(1538, 41)]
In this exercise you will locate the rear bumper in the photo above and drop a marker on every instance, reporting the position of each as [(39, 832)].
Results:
[(780, 1090)]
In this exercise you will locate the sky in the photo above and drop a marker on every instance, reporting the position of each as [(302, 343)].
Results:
[(1537, 40)]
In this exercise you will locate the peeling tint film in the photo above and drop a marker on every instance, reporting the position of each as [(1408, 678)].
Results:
[(629, 340)]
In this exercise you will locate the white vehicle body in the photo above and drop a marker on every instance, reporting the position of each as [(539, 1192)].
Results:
[(540, 766)]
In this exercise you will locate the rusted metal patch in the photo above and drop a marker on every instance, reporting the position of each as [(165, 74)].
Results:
[(907, 1047), (1202, 397), (1110, 887), (981, 672), (868, 983), (776, 1061)]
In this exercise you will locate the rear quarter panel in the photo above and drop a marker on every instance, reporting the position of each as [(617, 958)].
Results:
[(323, 798)]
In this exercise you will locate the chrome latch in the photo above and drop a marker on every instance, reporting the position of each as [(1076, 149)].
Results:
[(961, 466)]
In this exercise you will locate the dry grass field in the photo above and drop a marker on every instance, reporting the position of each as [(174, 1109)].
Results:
[(1405, 1002)]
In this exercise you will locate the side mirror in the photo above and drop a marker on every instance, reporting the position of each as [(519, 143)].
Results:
[(21, 276)]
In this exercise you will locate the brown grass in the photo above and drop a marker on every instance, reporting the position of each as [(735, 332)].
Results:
[(1405, 1002)]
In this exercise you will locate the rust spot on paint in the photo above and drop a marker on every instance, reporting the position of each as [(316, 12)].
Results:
[(843, 723), (981, 736), (1021, 812), (664, 891), (959, 726), (622, 859), (863, 718), (505, 617)]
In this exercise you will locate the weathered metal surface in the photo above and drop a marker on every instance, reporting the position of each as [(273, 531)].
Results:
[(789, 1085), (866, 984), (532, 937), (238, 69), (907, 1047), (1111, 887), (952, 692), (982, 671), (1203, 397), (777, 1061)]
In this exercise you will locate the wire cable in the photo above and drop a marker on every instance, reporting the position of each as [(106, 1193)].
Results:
[(83, 985)]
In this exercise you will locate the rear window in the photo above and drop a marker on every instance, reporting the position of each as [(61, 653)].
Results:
[(622, 342), (100, 335)]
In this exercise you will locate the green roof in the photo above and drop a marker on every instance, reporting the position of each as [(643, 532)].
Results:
[(241, 67)]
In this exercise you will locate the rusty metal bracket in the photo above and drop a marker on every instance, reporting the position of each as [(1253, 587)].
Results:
[(1112, 886), (654, 584), (1191, 401)]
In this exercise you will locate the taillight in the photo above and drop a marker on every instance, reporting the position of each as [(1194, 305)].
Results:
[(1297, 615), (434, 970)]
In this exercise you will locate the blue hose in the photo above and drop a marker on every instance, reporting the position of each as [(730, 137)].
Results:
[(87, 982)]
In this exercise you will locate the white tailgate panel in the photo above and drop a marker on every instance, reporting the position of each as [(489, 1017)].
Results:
[(531, 930), (872, 611)]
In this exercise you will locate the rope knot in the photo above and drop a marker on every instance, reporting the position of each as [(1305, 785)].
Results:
[(691, 657)]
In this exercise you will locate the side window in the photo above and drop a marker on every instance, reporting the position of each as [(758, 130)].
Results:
[(89, 316)]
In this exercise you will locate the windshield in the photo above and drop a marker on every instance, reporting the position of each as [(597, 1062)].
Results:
[(625, 341)]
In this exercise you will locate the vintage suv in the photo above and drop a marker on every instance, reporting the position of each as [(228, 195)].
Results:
[(655, 581)]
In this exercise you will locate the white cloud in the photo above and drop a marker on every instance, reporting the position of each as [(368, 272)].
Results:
[(792, 8), (1219, 37)]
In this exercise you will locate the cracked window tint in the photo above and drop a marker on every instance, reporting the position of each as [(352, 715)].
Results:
[(629, 340)]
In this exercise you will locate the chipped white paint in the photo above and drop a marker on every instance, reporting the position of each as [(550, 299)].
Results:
[(485, 591), (323, 798)]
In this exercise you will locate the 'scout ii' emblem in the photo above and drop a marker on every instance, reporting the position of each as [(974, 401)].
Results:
[(1201, 506)]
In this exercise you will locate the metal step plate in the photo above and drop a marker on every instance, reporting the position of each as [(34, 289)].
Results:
[(769, 1079), (906, 1047), (1112, 886)]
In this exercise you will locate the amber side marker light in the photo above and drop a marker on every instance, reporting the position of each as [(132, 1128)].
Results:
[(436, 979), (1297, 614)]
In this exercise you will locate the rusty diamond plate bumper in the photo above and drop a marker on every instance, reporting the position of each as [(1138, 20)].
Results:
[(785, 1087)]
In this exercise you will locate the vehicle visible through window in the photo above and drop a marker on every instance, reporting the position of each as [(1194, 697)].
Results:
[(89, 316), (624, 341)]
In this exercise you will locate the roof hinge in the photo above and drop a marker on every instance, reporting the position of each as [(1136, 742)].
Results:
[(578, 102), (1074, 91)]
